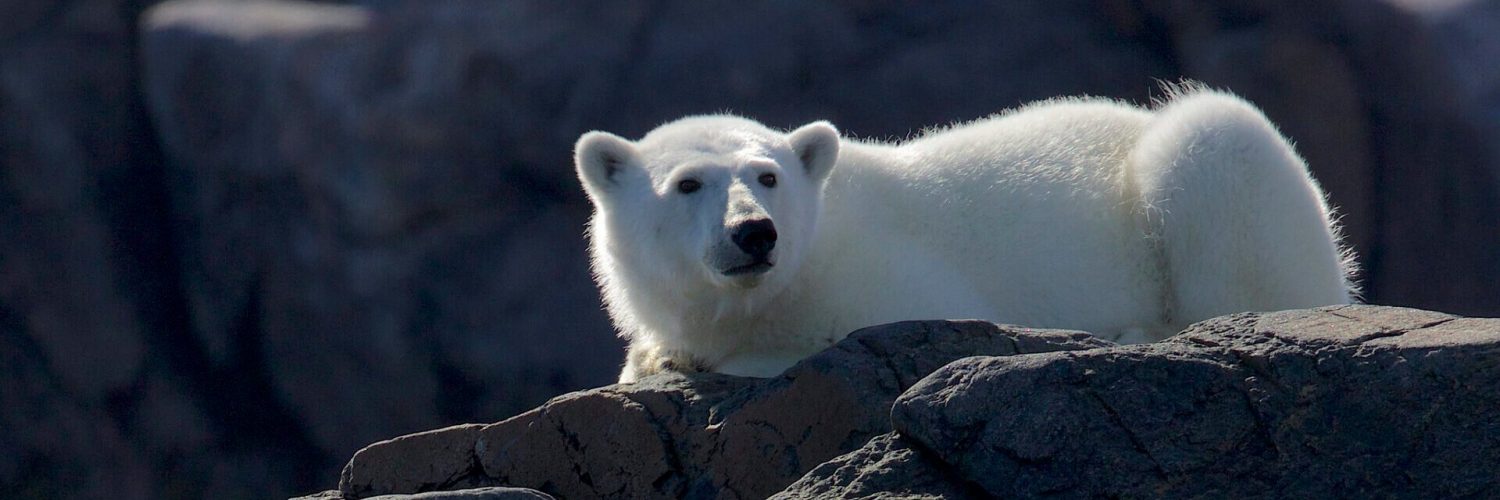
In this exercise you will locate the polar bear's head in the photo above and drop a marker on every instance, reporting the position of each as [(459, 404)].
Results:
[(710, 204)]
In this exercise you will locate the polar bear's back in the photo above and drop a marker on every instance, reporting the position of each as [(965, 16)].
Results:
[(1058, 142), (1029, 211)]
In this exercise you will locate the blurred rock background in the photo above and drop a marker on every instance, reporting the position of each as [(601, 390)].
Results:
[(240, 240)]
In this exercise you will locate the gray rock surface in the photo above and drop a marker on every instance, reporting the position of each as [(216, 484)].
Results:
[(1352, 401), (490, 493), (486, 493), (695, 435), (886, 467)]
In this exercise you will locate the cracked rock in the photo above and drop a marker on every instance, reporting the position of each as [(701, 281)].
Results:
[(1349, 401), (886, 467), (695, 435)]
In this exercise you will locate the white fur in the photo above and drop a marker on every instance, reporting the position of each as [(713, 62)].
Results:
[(1074, 213)]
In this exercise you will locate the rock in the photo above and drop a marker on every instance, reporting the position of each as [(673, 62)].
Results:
[(55, 445), (488, 493), (1468, 34), (698, 435), (885, 467), (360, 226), (492, 493), (1341, 401), (98, 395), (424, 461)]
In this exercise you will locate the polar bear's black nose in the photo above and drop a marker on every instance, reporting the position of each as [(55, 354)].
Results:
[(756, 237)]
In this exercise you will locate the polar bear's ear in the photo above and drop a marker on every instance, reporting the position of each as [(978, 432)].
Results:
[(817, 145), (604, 162)]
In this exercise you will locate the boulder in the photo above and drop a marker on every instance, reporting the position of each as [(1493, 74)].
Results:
[(491, 493), (695, 435), (1352, 401), (885, 467)]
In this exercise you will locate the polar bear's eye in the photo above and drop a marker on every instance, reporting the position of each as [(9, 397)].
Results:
[(768, 180), (688, 185)]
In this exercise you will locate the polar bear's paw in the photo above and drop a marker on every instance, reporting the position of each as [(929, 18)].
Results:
[(643, 361)]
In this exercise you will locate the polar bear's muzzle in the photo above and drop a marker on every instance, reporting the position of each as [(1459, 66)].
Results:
[(755, 238)]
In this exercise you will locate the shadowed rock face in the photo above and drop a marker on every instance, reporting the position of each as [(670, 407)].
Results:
[(360, 234), (484, 493), (1339, 402), (97, 399), (886, 467), (695, 435)]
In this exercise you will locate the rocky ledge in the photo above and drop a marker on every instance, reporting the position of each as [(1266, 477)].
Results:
[(1340, 401)]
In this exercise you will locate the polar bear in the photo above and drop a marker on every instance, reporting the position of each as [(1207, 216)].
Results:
[(722, 245)]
